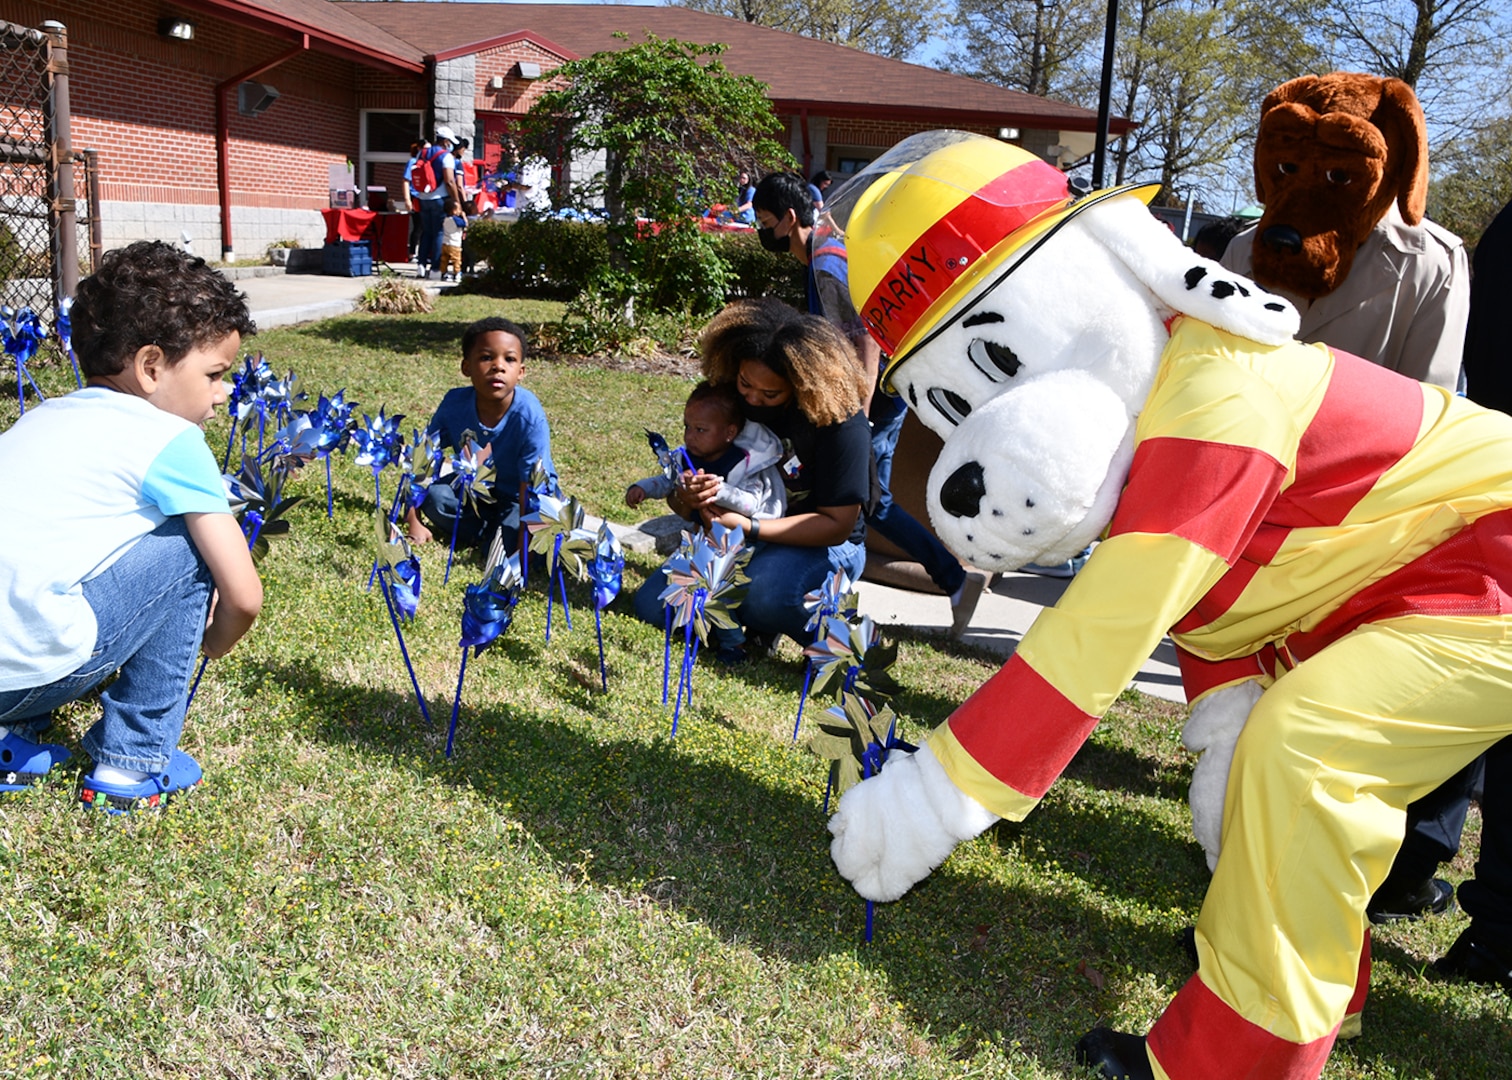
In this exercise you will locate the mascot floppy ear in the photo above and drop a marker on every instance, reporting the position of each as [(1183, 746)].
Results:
[(1400, 118), (1184, 281)]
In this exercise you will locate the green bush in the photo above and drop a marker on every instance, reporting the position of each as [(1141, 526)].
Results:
[(755, 271), (680, 268), (540, 257)]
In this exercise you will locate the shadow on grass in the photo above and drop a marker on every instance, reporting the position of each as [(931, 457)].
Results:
[(1014, 959), (749, 860), (405, 336)]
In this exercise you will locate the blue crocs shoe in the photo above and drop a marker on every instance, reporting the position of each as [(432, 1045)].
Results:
[(183, 773), (23, 762)]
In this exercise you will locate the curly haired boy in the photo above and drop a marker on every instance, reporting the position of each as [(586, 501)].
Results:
[(122, 543)]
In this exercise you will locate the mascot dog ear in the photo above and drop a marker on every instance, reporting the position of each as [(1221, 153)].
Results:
[(1184, 281)]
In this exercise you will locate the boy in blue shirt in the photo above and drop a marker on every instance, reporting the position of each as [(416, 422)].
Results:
[(508, 426), (122, 539)]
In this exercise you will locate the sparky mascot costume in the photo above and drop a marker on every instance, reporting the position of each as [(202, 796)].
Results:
[(1326, 541)]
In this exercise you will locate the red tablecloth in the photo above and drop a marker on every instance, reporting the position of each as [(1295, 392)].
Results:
[(391, 231), (347, 224)]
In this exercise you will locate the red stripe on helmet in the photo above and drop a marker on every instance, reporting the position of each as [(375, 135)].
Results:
[(954, 244)]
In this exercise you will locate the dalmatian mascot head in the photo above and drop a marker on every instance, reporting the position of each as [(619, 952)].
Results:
[(1024, 325)]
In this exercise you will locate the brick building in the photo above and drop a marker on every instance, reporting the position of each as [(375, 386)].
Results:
[(216, 121)]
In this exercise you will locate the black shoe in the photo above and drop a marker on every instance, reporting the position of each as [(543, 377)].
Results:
[(1433, 896), (1120, 1056), (731, 655), (761, 646), (1470, 960)]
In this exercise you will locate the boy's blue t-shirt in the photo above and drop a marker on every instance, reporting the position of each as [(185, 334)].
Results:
[(519, 440), (85, 477)]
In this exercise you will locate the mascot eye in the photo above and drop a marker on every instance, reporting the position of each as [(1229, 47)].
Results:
[(1337, 176), (993, 360), (951, 406), (1287, 168)]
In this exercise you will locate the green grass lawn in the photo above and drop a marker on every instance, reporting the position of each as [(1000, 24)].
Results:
[(575, 894)]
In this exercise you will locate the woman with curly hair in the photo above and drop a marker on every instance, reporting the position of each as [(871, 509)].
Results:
[(798, 375)]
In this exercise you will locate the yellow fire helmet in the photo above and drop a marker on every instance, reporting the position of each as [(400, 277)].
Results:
[(929, 224)]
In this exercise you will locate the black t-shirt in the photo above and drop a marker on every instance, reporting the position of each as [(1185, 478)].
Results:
[(722, 465), (828, 466)]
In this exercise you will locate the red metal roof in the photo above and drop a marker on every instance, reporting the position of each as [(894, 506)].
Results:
[(802, 72), (332, 29)]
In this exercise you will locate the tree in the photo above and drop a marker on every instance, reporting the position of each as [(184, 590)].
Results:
[(1193, 73), (1476, 180), (670, 125), (895, 28), (1449, 51), (1042, 47)]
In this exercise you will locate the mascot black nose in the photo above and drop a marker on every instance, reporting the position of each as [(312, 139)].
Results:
[(1282, 239), (961, 494)]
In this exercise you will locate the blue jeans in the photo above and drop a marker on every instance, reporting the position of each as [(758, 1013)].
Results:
[(476, 529), (150, 610), (890, 519), (781, 575), (432, 214)]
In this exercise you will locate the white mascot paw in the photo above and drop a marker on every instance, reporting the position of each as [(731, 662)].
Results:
[(1213, 730), (893, 829)]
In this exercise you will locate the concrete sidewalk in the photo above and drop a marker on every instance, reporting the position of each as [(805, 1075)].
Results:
[(281, 299), (1007, 609), (1005, 612)]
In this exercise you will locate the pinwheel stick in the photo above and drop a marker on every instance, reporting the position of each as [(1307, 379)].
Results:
[(330, 512), (667, 656), (685, 676), (808, 678), (197, 676), (451, 553), (871, 908), (451, 731), (383, 584), (598, 623)]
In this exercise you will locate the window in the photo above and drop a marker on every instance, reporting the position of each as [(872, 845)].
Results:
[(386, 140), (390, 132)]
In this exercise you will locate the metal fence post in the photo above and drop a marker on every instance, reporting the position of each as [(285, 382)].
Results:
[(65, 244)]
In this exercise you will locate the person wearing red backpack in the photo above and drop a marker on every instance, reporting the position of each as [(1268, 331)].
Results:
[(432, 180)]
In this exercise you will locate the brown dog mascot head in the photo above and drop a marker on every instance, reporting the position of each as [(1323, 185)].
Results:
[(1333, 152)]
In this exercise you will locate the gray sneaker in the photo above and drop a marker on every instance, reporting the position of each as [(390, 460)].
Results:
[(965, 606)]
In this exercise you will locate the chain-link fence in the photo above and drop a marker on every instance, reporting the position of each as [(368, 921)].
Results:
[(45, 188)]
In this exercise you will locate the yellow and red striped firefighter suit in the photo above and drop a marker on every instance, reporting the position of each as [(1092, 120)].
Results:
[(1343, 534)]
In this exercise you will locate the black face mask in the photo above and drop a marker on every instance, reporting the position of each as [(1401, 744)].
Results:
[(771, 241), (764, 414)]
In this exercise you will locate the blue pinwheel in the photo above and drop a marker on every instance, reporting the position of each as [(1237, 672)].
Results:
[(487, 611), (63, 327), (22, 334), (856, 738), (256, 498), (607, 572), (706, 581), (294, 444), (672, 461), (471, 476), (836, 596), (848, 657), (399, 581), (246, 401), (556, 531), (278, 398), (378, 443), (332, 417), (540, 484)]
